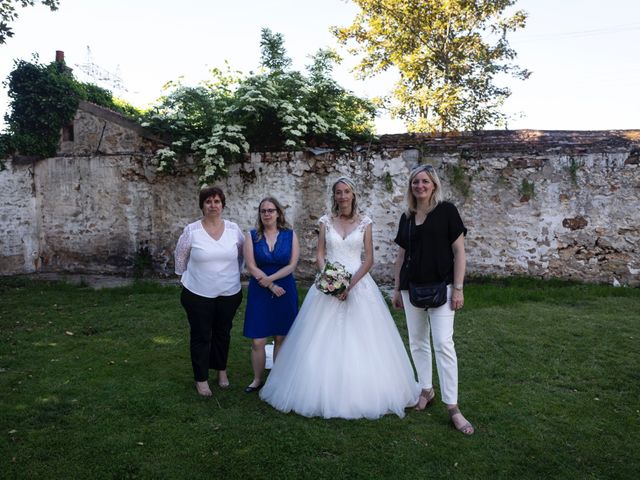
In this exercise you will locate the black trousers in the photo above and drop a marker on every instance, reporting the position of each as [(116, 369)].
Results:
[(210, 321)]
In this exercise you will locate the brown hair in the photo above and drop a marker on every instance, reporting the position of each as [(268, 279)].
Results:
[(207, 192), (281, 223)]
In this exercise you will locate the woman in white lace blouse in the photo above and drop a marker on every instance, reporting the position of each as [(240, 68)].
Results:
[(208, 257)]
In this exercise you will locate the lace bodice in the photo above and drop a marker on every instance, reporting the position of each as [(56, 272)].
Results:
[(348, 250)]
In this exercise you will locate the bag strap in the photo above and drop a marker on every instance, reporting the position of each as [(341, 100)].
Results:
[(409, 241)]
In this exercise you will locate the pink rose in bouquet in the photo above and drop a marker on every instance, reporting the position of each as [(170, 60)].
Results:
[(334, 279)]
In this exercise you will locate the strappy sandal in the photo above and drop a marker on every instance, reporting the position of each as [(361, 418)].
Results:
[(426, 398), (465, 429)]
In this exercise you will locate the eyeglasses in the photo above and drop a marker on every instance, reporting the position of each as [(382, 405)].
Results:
[(264, 211)]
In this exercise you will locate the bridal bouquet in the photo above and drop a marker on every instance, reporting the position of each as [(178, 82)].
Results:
[(334, 279)]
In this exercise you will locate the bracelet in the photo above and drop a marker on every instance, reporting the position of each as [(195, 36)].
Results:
[(458, 286)]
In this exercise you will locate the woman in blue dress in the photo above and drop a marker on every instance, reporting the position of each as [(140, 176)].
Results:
[(271, 253)]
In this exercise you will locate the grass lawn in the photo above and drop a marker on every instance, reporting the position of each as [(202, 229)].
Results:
[(98, 384)]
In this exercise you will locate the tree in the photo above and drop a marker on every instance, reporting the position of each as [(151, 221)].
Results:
[(448, 54), (275, 109), (8, 14)]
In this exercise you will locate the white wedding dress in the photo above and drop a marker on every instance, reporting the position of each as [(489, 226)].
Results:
[(343, 359)]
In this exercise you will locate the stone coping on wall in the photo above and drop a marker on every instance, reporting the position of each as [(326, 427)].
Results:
[(121, 120), (514, 141), (484, 143)]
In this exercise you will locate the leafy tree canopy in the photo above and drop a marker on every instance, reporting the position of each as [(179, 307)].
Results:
[(8, 14), (448, 54), (275, 109)]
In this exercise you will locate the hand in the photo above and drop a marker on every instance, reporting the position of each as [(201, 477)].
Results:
[(277, 290), (457, 299), (343, 296), (264, 281), (396, 301)]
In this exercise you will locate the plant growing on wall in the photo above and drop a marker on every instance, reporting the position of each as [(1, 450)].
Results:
[(573, 171), (527, 190), (460, 180), (44, 98), (275, 109)]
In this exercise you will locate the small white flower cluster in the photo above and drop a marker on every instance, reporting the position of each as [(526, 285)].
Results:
[(226, 141), (165, 159), (275, 108), (334, 279)]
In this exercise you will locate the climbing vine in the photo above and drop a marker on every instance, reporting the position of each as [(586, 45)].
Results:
[(44, 98), (216, 122), (460, 180), (527, 190)]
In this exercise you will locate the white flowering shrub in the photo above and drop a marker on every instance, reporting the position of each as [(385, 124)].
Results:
[(165, 159), (276, 109)]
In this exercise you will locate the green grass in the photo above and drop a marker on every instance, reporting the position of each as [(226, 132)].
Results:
[(97, 384)]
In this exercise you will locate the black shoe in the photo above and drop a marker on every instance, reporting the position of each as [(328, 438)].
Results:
[(254, 389)]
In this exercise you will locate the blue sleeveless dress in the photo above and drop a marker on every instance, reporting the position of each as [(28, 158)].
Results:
[(267, 315)]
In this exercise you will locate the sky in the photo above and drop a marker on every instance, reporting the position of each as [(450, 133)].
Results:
[(584, 54)]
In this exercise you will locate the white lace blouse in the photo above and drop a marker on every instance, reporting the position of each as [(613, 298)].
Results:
[(209, 267)]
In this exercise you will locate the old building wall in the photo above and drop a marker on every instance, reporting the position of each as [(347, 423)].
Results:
[(547, 204), (19, 242), (578, 218)]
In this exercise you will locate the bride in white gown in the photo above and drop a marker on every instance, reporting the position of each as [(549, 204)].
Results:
[(343, 356)]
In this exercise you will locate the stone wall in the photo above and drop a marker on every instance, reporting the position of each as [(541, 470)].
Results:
[(19, 242), (548, 204)]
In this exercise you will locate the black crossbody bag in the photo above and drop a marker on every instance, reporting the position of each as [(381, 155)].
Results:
[(425, 295)]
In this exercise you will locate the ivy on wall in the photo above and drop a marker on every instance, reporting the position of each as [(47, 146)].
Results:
[(43, 99), (276, 109)]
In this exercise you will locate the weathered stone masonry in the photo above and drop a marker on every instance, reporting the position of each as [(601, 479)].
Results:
[(548, 204)]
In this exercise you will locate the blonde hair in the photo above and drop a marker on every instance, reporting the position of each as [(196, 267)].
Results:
[(436, 196), (354, 203)]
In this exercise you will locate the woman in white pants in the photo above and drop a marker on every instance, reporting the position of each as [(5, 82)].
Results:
[(431, 240)]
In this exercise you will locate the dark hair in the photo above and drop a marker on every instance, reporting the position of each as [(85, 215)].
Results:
[(281, 223), (207, 192)]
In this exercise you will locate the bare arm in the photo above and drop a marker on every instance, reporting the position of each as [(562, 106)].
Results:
[(459, 268), (397, 266), (250, 260), (321, 250), (368, 257)]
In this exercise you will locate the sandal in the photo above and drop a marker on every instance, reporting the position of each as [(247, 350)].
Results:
[(426, 398), (466, 428)]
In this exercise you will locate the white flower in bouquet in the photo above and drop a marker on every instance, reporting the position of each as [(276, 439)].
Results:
[(334, 279)]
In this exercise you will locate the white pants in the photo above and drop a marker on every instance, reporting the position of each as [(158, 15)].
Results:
[(436, 323)]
